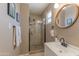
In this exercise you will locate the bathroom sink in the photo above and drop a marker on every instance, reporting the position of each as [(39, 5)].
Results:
[(58, 49)]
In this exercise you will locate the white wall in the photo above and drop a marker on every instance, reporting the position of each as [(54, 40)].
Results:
[(6, 47)]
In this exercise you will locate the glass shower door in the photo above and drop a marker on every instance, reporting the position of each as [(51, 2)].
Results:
[(36, 41)]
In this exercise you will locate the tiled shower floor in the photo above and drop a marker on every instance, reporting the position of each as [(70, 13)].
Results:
[(36, 47)]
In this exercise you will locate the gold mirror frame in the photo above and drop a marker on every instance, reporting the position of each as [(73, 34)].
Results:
[(56, 18)]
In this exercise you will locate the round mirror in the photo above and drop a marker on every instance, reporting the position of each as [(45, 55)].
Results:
[(67, 16)]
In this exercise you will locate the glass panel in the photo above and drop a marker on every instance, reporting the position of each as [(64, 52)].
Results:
[(49, 20), (49, 16)]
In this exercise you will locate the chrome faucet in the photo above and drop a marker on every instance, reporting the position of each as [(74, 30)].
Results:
[(63, 43)]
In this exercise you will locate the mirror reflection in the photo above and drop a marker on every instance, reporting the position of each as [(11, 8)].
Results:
[(67, 15)]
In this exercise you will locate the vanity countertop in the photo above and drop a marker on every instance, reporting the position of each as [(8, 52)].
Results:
[(60, 50)]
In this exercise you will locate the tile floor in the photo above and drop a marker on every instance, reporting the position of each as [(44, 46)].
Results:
[(34, 53), (37, 54)]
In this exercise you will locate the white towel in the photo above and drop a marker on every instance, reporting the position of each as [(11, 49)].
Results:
[(18, 36)]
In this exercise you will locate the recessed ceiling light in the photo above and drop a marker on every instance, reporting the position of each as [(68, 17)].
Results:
[(56, 5)]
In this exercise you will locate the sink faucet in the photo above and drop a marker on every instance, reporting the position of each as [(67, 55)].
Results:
[(63, 43), (62, 40)]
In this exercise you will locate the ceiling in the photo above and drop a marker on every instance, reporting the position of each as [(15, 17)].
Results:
[(37, 8)]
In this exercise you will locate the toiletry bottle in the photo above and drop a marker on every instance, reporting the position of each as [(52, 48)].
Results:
[(56, 39)]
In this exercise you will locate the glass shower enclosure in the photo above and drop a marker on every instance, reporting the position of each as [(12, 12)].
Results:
[(36, 42)]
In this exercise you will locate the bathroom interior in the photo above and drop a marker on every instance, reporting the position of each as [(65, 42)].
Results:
[(39, 29)]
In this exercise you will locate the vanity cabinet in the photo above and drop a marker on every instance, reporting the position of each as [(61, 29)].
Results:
[(56, 49), (48, 51)]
